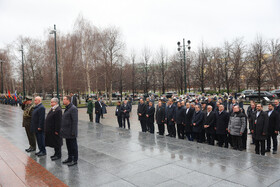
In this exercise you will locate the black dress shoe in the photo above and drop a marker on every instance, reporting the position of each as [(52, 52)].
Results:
[(56, 158), (42, 154), (38, 153), (52, 156), (267, 151), (73, 163), (28, 150), (32, 149), (66, 161)]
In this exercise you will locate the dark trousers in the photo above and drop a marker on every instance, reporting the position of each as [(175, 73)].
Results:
[(244, 139), (90, 117), (222, 139), (57, 151), (147, 125), (203, 135), (143, 125), (180, 131), (40, 136), (257, 148), (210, 138), (31, 137), (72, 148), (198, 136), (171, 128), (189, 135), (128, 123), (151, 126), (237, 142), (119, 121), (97, 118), (274, 140), (188, 131), (161, 129)]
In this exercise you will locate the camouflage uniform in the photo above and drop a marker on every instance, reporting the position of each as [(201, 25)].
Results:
[(26, 122)]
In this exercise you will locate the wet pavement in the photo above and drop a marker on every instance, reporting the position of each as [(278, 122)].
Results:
[(109, 156)]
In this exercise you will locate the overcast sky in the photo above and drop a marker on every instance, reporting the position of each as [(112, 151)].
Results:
[(151, 23)]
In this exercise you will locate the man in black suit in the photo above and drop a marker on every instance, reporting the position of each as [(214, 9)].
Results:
[(125, 109), (119, 114), (188, 121), (160, 118), (260, 128), (69, 131), (74, 99), (98, 110), (221, 126), (38, 125), (197, 123), (179, 119), (251, 113), (273, 128), (150, 114), (141, 112), (209, 124), (170, 115)]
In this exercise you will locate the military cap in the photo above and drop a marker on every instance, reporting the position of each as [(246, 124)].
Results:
[(28, 98)]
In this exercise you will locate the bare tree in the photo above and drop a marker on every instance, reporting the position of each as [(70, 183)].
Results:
[(200, 66), (146, 55), (257, 53), (273, 63), (162, 58), (112, 49), (133, 72), (238, 52)]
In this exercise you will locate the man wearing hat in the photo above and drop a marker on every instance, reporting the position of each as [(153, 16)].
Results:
[(27, 108)]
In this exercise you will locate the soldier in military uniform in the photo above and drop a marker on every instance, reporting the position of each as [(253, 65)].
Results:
[(27, 108)]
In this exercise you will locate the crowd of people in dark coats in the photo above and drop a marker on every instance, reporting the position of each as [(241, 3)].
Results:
[(207, 121)]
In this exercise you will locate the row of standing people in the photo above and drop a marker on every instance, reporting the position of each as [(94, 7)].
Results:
[(49, 130), (207, 122)]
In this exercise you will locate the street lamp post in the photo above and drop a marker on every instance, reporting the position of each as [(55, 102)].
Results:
[(2, 78), (184, 53), (57, 88), (23, 83)]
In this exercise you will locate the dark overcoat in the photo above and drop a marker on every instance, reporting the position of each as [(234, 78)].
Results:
[(179, 115), (221, 124), (273, 122), (52, 125), (69, 124), (160, 115), (38, 118), (151, 113), (210, 120), (188, 119), (141, 110), (198, 119), (128, 110), (260, 126), (98, 108), (118, 111)]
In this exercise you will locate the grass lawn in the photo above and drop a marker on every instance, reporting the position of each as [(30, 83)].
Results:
[(47, 104)]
